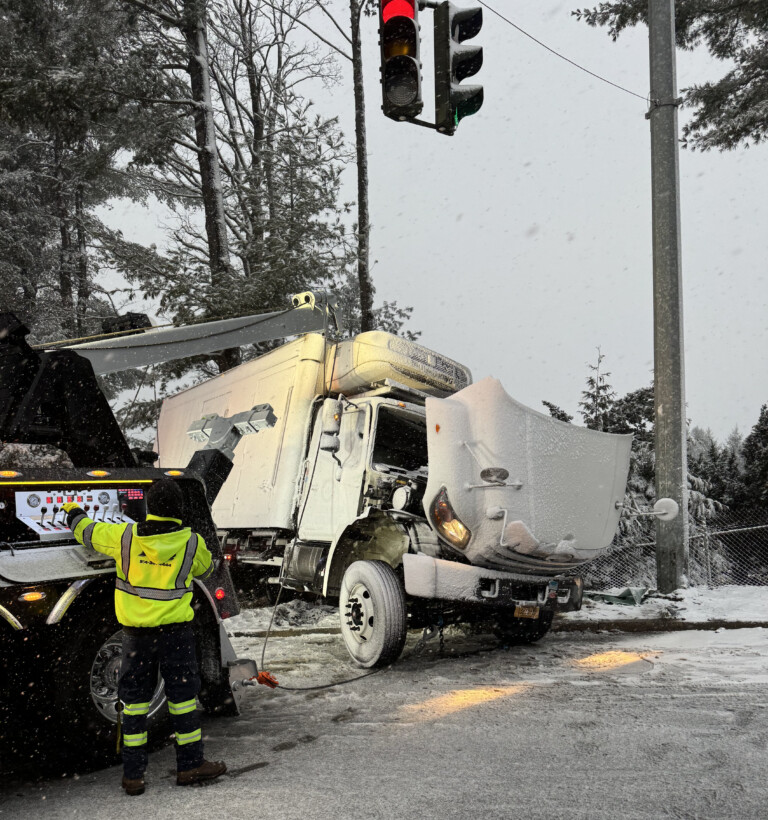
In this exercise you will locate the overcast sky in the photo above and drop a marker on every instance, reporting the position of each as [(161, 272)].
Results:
[(524, 241)]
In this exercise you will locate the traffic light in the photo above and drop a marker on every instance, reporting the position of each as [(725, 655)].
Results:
[(454, 63), (400, 67)]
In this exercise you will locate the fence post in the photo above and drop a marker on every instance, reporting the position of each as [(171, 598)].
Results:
[(709, 560)]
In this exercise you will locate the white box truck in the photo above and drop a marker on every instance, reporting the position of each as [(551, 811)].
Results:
[(392, 483)]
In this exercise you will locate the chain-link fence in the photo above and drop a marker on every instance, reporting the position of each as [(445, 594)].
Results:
[(727, 550)]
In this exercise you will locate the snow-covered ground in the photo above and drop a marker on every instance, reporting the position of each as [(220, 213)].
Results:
[(726, 604), (291, 615), (588, 725), (699, 605)]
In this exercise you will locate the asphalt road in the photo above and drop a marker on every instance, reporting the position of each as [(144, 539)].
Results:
[(580, 726)]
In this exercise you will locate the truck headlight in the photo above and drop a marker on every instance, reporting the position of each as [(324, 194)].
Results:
[(447, 523)]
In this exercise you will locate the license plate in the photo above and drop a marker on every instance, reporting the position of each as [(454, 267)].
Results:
[(526, 612)]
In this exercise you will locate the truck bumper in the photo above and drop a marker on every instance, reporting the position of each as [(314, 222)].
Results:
[(436, 578)]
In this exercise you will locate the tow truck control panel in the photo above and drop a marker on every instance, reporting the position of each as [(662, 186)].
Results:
[(41, 511)]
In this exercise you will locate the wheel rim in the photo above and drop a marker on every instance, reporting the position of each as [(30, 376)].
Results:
[(359, 613), (105, 674)]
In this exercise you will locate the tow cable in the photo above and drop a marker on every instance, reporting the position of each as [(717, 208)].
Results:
[(267, 679)]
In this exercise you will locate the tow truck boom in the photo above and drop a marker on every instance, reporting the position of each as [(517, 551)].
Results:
[(51, 396), (310, 312)]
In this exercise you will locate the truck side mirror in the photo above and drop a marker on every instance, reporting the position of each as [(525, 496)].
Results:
[(329, 443), (331, 421)]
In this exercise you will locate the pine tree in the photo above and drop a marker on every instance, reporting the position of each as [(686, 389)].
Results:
[(598, 399), (74, 91), (557, 412), (755, 451)]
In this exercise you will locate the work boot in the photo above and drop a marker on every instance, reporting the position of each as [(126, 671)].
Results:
[(133, 786), (207, 770)]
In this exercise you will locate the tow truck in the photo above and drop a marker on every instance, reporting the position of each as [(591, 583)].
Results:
[(60, 641)]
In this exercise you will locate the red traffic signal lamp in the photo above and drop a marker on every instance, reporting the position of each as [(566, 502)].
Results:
[(455, 62), (400, 66)]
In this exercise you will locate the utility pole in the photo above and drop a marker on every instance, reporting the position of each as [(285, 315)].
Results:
[(669, 371)]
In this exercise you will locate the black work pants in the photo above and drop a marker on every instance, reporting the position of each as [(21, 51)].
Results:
[(171, 651)]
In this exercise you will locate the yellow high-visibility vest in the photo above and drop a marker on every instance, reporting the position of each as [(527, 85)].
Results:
[(154, 572)]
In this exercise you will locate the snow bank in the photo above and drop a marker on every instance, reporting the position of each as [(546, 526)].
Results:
[(295, 614), (730, 603), (696, 605)]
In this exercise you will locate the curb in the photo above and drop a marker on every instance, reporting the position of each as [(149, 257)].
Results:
[(653, 625), (624, 625)]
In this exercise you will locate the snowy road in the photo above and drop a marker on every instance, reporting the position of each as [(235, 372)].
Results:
[(581, 726)]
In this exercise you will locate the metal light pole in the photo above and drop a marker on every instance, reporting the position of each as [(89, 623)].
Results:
[(669, 372)]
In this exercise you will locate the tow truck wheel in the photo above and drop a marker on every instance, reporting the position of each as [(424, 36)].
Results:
[(85, 702), (515, 631), (373, 614)]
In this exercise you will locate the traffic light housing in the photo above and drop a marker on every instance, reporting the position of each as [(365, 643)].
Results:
[(400, 67), (455, 62)]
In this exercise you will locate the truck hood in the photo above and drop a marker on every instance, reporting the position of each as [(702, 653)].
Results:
[(555, 509)]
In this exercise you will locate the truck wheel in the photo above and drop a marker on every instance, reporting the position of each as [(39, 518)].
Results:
[(373, 616), (85, 682), (515, 631)]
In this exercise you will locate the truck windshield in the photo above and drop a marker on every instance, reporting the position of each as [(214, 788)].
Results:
[(401, 439)]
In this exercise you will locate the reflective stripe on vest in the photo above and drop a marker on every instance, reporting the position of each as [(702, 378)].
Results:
[(125, 548), (88, 534), (186, 564), (152, 593), (79, 518)]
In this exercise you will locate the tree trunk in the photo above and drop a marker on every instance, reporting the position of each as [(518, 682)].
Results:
[(83, 285), (256, 205), (363, 223), (205, 137), (193, 28), (65, 242)]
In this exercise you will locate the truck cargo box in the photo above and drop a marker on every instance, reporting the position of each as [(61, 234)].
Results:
[(259, 492)]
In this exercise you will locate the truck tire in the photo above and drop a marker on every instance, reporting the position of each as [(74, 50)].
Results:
[(85, 676), (516, 631), (373, 614)]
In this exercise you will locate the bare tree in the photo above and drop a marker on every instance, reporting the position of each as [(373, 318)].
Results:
[(190, 19), (353, 41)]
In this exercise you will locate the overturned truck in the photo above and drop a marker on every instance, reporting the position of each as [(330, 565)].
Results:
[(394, 485)]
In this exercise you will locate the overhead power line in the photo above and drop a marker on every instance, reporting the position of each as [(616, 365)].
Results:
[(558, 54)]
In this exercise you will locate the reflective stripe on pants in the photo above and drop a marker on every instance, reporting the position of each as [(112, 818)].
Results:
[(132, 709), (171, 653), (182, 708), (182, 738), (135, 740)]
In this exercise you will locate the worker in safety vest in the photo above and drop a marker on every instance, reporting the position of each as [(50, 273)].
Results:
[(155, 562)]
